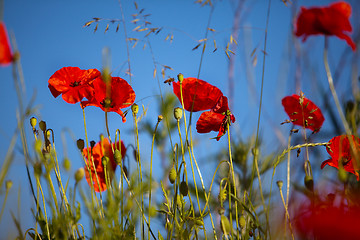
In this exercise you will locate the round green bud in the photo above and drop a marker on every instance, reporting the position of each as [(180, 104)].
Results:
[(225, 225), (172, 175), (79, 174), (280, 184), (184, 188), (242, 222), (42, 126), (180, 77), (8, 184), (80, 144), (135, 108), (105, 160), (117, 156), (199, 222), (178, 112), (309, 182), (66, 164), (33, 122)]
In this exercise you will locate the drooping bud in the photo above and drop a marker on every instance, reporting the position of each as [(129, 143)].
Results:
[(80, 144), (309, 182), (79, 174), (178, 112), (172, 175), (42, 126), (180, 77), (33, 122), (135, 108), (184, 188), (117, 156)]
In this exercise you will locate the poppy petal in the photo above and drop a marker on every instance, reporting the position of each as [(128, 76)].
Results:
[(209, 121), (6, 56)]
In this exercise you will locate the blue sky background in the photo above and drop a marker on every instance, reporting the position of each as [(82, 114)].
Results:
[(50, 35)]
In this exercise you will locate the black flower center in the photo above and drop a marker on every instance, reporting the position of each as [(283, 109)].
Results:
[(75, 84), (106, 103)]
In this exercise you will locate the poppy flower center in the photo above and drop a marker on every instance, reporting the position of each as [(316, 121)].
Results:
[(345, 160), (75, 84), (106, 103)]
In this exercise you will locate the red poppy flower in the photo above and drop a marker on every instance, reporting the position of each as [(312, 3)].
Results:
[(198, 95), (331, 20), (120, 95), (325, 221), (97, 153), (303, 112), (6, 56), (341, 152), (73, 83)]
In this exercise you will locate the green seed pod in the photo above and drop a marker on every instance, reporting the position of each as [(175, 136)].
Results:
[(105, 160), (42, 126), (184, 188), (33, 122), (225, 225), (117, 156), (79, 174), (172, 175), (80, 144), (66, 164), (178, 113), (180, 77), (309, 182), (135, 108), (242, 222), (8, 184)]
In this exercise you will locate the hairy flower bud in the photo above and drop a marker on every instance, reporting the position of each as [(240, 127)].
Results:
[(172, 175), (66, 164), (135, 108), (309, 182), (105, 160), (33, 122), (79, 174), (180, 77), (117, 156), (178, 113)]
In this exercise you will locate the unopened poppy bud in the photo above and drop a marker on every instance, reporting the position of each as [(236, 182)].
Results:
[(42, 126), (309, 182), (117, 156), (184, 188), (66, 164), (172, 175), (225, 225), (37, 169), (180, 77), (160, 118), (79, 174), (8, 184), (80, 144), (33, 122), (280, 184), (178, 113), (92, 143), (105, 160), (242, 222), (135, 108)]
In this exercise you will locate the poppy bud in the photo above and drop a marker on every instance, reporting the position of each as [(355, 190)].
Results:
[(225, 225), (66, 164), (199, 222), (80, 144), (242, 222), (42, 126), (105, 160), (184, 188), (33, 122), (160, 118), (8, 184), (180, 77), (92, 143), (309, 182), (280, 184), (37, 169), (221, 211), (135, 108), (178, 113), (172, 175), (79, 174), (117, 156)]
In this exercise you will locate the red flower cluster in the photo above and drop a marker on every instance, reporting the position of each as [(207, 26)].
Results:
[(100, 150), (199, 95), (6, 56), (331, 20), (76, 84), (341, 152), (325, 221), (303, 112)]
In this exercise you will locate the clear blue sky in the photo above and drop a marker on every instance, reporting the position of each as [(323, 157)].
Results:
[(50, 35)]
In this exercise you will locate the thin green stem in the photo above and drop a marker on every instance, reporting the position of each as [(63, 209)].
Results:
[(4, 203), (286, 211), (43, 198)]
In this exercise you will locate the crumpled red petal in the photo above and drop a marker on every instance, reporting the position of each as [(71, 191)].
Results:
[(6, 56), (198, 95)]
